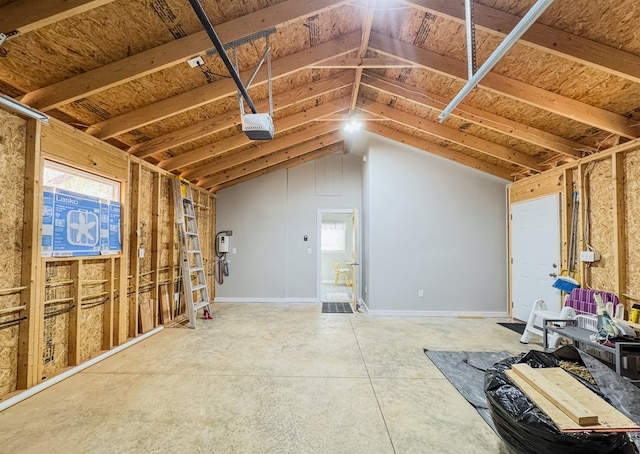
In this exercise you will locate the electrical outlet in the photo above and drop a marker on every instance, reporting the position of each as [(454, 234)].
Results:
[(420, 293), (141, 253)]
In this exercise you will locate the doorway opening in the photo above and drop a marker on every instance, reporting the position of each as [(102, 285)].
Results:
[(335, 270)]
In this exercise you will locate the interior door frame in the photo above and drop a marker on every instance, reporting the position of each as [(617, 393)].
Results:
[(358, 277), (562, 235)]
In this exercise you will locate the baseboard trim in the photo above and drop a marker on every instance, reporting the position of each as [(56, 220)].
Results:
[(461, 314), (265, 300)]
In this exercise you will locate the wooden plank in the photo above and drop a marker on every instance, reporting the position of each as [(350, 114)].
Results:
[(547, 183), (540, 36), (444, 132), (362, 52), (242, 156), (146, 315), (365, 63), (572, 408), (155, 243), (619, 227), (134, 261), (26, 16), (273, 159), (520, 91), (73, 147), (230, 119), (30, 329), (165, 309), (221, 89), (432, 148), (477, 116), (75, 316), (108, 334), (610, 419), (285, 165), (171, 53), (239, 140)]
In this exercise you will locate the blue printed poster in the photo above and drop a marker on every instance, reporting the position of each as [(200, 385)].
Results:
[(75, 224)]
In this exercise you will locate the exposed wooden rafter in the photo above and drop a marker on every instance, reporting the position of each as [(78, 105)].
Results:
[(171, 53), (475, 143), (437, 150), (240, 140), (362, 52), (317, 154), (520, 91), (220, 89), (24, 16), (488, 120), (573, 47), (230, 119)]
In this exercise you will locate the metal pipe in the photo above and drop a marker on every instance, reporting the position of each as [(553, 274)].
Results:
[(206, 23), (470, 22), (527, 21), (22, 109)]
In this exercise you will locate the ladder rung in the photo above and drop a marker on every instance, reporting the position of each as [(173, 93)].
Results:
[(196, 269), (194, 251), (192, 233), (189, 215), (200, 305), (196, 288)]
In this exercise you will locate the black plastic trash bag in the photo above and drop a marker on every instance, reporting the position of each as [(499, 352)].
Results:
[(527, 429)]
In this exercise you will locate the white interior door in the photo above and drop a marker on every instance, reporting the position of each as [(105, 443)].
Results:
[(354, 261), (535, 254)]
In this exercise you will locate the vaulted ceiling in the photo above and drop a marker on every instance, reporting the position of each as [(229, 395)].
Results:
[(118, 70)]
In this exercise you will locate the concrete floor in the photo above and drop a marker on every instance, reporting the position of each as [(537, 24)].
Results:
[(269, 378)]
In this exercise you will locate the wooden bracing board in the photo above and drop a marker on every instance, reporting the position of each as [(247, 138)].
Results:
[(575, 398)]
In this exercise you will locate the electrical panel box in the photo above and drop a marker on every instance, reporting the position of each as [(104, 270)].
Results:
[(589, 256), (223, 244)]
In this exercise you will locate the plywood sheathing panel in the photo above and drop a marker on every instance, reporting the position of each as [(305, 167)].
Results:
[(632, 220), (56, 318), (12, 159), (92, 312), (601, 232)]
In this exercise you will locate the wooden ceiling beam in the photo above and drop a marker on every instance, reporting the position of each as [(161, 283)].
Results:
[(452, 135), (362, 52), (437, 150), (268, 160), (238, 157), (366, 63), (24, 16), (558, 42), (171, 53), (520, 91), (221, 88), (321, 153), (476, 116), (241, 140), (231, 119)]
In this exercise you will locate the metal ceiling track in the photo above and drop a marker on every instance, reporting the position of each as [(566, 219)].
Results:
[(525, 23), (206, 23)]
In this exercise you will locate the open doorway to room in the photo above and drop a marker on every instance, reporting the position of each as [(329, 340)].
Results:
[(336, 240)]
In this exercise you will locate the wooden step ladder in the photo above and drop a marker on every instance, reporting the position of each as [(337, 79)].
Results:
[(194, 280)]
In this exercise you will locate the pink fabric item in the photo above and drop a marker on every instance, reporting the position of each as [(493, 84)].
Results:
[(581, 299)]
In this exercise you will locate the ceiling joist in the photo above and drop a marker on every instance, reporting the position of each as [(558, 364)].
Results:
[(549, 39), (520, 91)]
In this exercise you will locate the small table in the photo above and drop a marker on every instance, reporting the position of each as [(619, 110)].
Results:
[(622, 351)]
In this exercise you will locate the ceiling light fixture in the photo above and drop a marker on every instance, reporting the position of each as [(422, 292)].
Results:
[(352, 124), (22, 109)]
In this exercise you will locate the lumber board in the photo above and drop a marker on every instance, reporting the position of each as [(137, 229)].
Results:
[(146, 315), (571, 407), (610, 420), (164, 304)]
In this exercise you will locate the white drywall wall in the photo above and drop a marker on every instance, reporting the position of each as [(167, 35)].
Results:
[(436, 226)]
